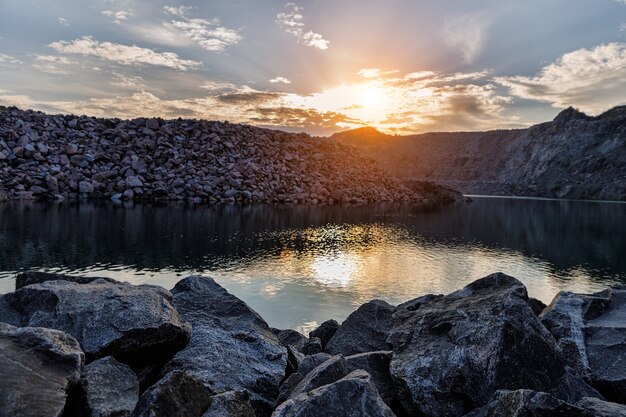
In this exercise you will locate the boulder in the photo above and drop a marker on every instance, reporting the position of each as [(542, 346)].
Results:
[(453, 353), (38, 367), (231, 347), (377, 365), (352, 396), (536, 305), (528, 403), (287, 387), (108, 388), (230, 404), (328, 372), (416, 303), (32, 277), (365, 330), (311, 362), (309, 346), (289, 337), (135, 323), (591, 332), (177, 394), (325, 331)]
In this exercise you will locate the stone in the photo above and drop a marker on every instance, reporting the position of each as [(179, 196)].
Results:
[(33, 277), (177, 394), (365, 330), (536, 305), (309, 346), (310, 362), (38, 367), (352, 396), (152, 123), (325, 331), (85, 187), (133, 182), (134, 323), (287, 387), (328, 372), (231, 347), (289, 337), (453, 353), (230, 404), (109, 388), (595, 407), (416, 303), (377, 365)]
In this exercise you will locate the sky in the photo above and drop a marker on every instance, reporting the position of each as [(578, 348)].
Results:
[(319, 66)]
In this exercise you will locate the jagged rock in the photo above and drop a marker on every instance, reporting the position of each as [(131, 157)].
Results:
[(330, 371), (3, 193), (311, 362), (416, 303), (230, 404), (377, 365), (287, 387), (365, 330), (453, 353), (325, 331), (536, 305), (32, 277), (38, 367), (177, 394), (309, 346), (136, 323), (528, 403), (591, 332), (108, 388), (231, 347), (289, 337), (352, 396)]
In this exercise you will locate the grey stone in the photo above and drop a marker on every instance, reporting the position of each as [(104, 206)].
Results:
[(328, 372), (352, 396), (325, 331), (365, 330), (85, 187), (377, 365), (33, 277), (232, 347), (230, 404), (311, 362), (38, 367)]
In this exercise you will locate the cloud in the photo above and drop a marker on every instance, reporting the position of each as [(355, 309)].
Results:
[(123, 54), (53, 64), (292, 22), (180, 11), (374, 72), (127, 81), (589, 79), (209, 34), (9, 60), (282, 80), (119, 16), (466, 34), (248, 97), (63, 22)]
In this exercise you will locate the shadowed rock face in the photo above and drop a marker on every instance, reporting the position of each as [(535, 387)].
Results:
[(230, 404), (137, 323), (454, 352), (365, 330), (38, 367), (231, 347), (352, 396), (377, 365)]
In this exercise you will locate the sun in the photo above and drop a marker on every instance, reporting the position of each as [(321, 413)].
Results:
[(372, 97)]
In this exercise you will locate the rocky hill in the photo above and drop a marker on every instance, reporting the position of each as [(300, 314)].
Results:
[(573, 156), (65, 157)]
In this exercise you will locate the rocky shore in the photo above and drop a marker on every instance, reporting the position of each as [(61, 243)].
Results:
[(78, 346), (62, 157)]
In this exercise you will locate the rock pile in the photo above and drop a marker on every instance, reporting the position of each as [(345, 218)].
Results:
[(66, 157), (480, 351)]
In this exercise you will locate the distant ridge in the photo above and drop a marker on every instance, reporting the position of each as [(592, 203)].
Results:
[(573, 156)]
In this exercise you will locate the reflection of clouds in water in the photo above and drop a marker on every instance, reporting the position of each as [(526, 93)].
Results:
[(334, 270)]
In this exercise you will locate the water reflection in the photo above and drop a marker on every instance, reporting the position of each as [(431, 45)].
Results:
[(299, 266)]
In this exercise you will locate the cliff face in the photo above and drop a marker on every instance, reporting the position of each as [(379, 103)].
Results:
[(573, 156)]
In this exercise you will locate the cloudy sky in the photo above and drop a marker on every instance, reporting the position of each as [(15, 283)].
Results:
[(403, 66)]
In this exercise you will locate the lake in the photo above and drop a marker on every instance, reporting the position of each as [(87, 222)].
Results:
[(298, 266)]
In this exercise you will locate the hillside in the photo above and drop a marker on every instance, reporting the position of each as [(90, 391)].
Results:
[(573, 156), (61, 157)]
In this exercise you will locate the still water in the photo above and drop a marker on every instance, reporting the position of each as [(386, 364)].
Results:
[(299, 266)]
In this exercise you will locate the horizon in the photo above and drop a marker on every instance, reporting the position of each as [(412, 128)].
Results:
[(401, 67)]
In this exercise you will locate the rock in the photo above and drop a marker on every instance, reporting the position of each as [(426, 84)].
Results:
[(416, 303), (230, 404), (365, 330), (325, 331), (3, 193), (32, 277), (109, 388), (328, 372), (311, 362), (352, 396), (289, 337), (177, 394), (453, 353), (134, 323), (85, 187), (38, 367), (309, 346), (152, 124), (536, 305), (377, 365), (133, 182), (591, 332), (231, 347), (528, 403), (287, 387)]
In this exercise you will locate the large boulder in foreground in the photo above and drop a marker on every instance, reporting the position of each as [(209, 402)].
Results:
[(377, 365), (528, 403), (454, 352), (135, 323), (34, 277), (352, 396), (232, 347), (591, 331), (38, 367), (365, 330)]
